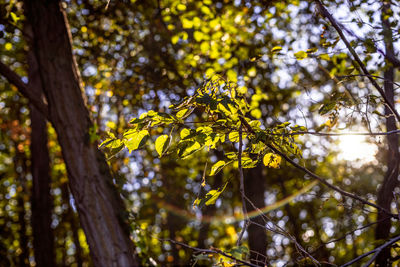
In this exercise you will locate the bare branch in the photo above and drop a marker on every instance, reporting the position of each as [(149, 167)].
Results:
[(211, 251), (323, 180), (391, 58), (338, 134), (241, 180), (324, 12), (281, 231), (16, 80), (376, 251), (363, 75), (348, 233)]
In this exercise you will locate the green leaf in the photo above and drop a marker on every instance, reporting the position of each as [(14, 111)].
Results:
[(326, 108), (300, 55), (255, 124), (247, 162), (324, 57), (312, 50), (213, 195), (186, 148), (14, 17), (185, 133), (234, 136), (134, 139), (238, 252), (162, 144), (217, 167), (181, 113), (111, 143)]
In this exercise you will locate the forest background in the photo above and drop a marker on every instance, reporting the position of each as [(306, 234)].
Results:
[(199, 132)]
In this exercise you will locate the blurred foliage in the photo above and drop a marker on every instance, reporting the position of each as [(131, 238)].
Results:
[(279, 65)]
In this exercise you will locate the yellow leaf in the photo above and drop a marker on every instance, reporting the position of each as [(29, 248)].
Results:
[(300, 55), (161, 144), (276, 49), (272, 160), (8, 46)]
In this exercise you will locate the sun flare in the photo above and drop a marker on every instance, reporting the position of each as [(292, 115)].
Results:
[(353, 147)]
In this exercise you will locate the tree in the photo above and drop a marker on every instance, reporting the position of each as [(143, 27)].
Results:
[(100, 207), (253, 85)]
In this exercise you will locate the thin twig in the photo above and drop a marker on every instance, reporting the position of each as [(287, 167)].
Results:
[(337, 134), (364, 75), (324, 12), (281, 231), (376, 251), (23, 88), (323, 180), (241, 180), (348, 233), (210, 251)]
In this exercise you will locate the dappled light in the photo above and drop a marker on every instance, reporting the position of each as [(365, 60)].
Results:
[(199, 133)]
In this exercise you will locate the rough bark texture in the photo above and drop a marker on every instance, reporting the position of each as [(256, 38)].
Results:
[(99, 205), (254, 190), (385, 195), (42, 203)]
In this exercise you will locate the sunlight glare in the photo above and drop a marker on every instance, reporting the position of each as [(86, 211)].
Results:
[(353, 147)]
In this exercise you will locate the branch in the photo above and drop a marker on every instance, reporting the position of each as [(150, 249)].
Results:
[(241, 180), (327, 15), (348, 233), (211, 251), (363, 75), (322, 180), (281, 231), (391, 58), (22, 87), (376, 251), (337, 134)]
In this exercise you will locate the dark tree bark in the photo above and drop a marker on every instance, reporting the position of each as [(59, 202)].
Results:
[(254, 187), (42, 203), (385, 194), (100, 207)]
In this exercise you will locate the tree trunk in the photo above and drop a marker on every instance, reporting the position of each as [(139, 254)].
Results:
[(99, 205), (254, 190), (42, 203), (385, 195)]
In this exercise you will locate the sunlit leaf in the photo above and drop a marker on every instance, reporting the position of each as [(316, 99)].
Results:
[(217, 167), (161, 144), (300, 55), (276, 49), (134, 139), (272, 160), (213, 195)]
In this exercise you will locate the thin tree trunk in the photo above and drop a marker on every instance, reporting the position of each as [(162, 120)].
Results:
[(42, 203), (385, 195), (254, 190), (100, 207)]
